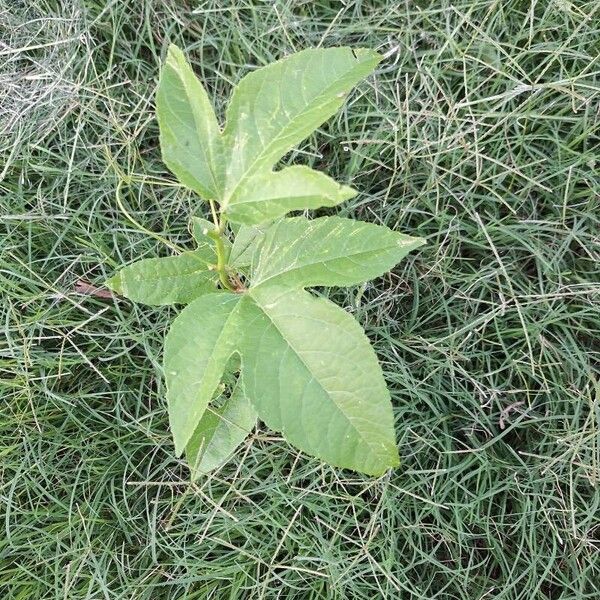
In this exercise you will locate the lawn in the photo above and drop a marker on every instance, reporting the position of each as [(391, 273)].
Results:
[(480, 131)]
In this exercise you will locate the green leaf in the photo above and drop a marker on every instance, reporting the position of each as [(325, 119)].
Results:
[(170, 280), (268, 196), (299, 252), (200, 229), (197, 349), (219, 432), (273, 109), (190, 138), (310, 372), (246, 244)]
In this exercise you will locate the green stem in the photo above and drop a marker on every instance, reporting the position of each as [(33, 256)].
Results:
[(217, 236), (222, 262)]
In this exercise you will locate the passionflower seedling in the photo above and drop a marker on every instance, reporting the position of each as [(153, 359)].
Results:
[(252, 343)]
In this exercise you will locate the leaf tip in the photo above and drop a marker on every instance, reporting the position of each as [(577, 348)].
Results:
[(367, 55), (174, 52), (179, 430), (411, 242), (346, 192), (179, 448), (115, 283), (393, 462), (176, 60)]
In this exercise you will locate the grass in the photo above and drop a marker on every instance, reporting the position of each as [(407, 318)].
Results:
[(480, 132)]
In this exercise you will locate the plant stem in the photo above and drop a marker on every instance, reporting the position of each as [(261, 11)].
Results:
[(217, 236), (221, 261)]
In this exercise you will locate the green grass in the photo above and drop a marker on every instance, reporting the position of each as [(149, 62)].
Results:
[(480, 132)]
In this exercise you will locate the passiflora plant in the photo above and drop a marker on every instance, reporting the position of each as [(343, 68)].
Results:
[(252, 343)]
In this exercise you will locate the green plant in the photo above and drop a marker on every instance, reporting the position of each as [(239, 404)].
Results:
[(251, 334)]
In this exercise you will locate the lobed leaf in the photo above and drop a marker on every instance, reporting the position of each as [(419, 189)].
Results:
[(299, 252), (271, 110), (274, 108), (311, 373)]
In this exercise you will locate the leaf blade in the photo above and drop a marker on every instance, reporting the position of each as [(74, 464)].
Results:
[(169, 280), (268, 196), (197, 349), (190, 137), (330, 251), (309, 369), (219, 433), (200, 229), (245, 245)]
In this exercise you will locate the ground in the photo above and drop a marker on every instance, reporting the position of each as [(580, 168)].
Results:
[(480, 131)]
